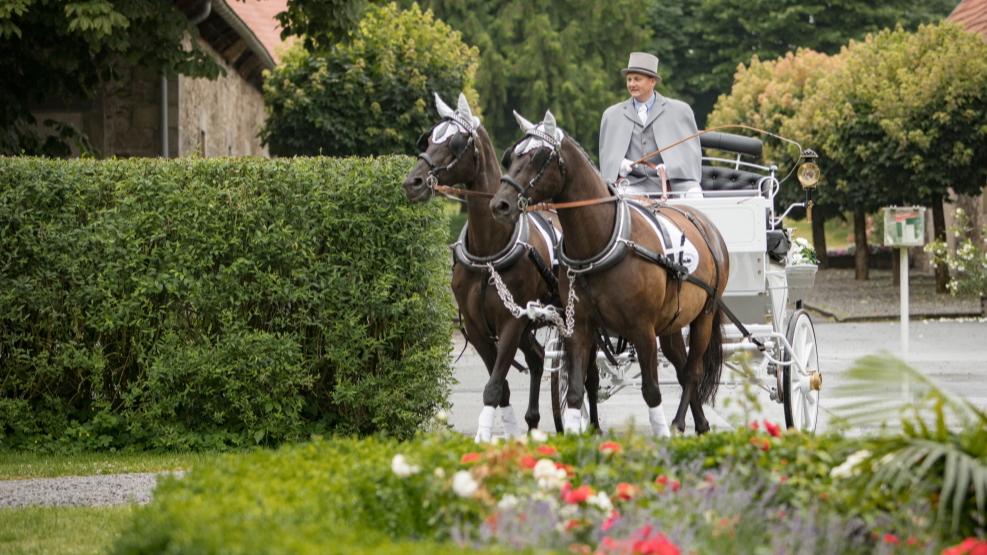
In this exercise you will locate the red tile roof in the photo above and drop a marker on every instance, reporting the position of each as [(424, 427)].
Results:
[(259, 16), (971, 14)]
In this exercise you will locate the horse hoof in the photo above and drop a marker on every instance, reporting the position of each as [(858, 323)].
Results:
[(572, 421), (484, 428)]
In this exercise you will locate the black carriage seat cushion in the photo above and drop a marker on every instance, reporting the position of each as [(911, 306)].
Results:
[(737, 144), (719, 178)]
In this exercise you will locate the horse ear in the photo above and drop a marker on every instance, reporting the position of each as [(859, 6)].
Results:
[(549, 123), (525, 124), (444, 110), (463, 107)]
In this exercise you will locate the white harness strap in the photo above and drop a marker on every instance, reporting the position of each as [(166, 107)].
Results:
[(552, 257), (681, 245)]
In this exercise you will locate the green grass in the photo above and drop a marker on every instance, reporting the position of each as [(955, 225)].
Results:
[(15, 465), (61, 530), (838, 231)]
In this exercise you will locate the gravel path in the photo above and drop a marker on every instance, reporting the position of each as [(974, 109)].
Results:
[(79, 491)]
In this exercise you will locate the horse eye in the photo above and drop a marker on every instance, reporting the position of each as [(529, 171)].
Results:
[(457, 142), (505, 159), (422, 143)]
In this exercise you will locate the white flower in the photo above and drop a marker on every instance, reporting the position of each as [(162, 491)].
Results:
[(601, 501), (538, 436), (847, 469), (464, 485), (442, 416), (548, 476), (439, 472), (400, 467), (507, 502)]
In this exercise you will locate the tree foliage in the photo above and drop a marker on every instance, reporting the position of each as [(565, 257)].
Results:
[(701, 43), (371, 95), (562, 55)]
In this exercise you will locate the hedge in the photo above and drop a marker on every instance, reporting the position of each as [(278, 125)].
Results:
[(216, 303)]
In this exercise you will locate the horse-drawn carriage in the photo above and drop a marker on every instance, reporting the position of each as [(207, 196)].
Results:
[(765, 291), (648, 271)]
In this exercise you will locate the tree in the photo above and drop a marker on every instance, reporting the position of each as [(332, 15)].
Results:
[(905, 119), (702, 42), (371, 95), (563, 55), (767, 95), (68, 49)]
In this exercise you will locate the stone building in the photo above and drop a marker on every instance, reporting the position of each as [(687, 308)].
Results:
[(971, 14), (146, 113)]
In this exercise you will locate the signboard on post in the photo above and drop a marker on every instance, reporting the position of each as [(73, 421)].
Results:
[(904, 226)]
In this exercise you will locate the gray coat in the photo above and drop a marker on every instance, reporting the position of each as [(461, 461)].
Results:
[(670, 120)]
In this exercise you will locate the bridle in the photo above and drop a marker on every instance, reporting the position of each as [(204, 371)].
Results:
[(431, 179), (523, 199)]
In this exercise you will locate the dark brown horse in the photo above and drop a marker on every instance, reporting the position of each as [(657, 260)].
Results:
[(625, 283), (458, 151)]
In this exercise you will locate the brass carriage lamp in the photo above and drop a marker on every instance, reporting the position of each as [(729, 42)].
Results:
[(808, 176)]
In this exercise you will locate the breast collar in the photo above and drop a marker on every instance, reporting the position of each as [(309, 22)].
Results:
[(614, 251), (516, 247)]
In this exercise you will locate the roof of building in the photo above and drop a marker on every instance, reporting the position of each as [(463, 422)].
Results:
[(971, 14), (258, 15)]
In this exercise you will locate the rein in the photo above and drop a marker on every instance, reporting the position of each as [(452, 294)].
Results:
[(456, 191)]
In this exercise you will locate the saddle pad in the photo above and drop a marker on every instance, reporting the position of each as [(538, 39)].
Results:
[(674, 242), (550, 235)]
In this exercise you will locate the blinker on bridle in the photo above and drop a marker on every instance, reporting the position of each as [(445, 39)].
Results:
[(523, 200), (431, 180)]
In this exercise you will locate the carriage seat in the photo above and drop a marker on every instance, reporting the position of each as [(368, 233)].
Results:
[(724, 178)]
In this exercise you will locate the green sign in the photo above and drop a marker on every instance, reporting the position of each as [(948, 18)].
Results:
[(904, 226)]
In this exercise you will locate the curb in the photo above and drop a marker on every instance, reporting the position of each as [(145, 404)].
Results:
[(889, 318)]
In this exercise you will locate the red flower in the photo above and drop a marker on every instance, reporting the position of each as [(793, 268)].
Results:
[(572, 523), (610, 448), (626, 491), (528, 462), (547, 450), (970, 546), (567, 467), (662, 480), (761, 443), (755, 426), (609, 522), (773, 429), (578, 495), (469, 458), (676, 485), (657, 545), (891, 539)]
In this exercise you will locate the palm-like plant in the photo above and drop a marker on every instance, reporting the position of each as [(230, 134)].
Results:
[(940, 451)]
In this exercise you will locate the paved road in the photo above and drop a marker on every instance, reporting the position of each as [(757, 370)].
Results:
[(953, 352)]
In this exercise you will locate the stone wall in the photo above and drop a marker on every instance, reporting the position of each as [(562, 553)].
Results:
[(222, 117)]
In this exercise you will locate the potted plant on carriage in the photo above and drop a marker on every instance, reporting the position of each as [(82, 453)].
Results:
[(800, 269)]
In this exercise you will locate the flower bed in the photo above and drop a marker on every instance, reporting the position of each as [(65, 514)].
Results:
[(752, 490)]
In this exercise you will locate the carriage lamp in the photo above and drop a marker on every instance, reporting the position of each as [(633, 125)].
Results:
[(808, 176)]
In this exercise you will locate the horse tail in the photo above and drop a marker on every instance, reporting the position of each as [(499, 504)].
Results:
[(712, 362)]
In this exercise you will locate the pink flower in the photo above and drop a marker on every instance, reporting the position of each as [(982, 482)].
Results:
[(609, 522), (970, 546), (572, 523), (469, 458), (773, 429), (754, 425), (657, 545), (547, 450), (891, 539), (610, 448), (528, 462), (626, 491)]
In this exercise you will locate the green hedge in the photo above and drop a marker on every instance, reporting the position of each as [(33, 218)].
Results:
[(217, 303)]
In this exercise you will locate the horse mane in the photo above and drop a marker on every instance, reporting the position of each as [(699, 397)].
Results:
[(582, 152)]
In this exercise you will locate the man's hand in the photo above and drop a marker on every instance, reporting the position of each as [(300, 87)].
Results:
[(626, 167)]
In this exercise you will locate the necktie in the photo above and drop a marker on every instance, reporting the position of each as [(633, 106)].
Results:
[(642, 113)]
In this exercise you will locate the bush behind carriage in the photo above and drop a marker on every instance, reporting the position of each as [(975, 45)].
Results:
[(214, 303)]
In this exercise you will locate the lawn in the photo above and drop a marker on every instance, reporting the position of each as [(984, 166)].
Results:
[(20, 465), (62, 530)]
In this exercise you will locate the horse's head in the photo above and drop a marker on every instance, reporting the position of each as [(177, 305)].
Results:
[(447, 152), (535, 169)]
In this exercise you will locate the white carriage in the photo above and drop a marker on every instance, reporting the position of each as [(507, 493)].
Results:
[(766, 295)]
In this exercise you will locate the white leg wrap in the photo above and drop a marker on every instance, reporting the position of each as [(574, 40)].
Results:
[(572, 421), (484, 428), (658, 425), (511, 427)]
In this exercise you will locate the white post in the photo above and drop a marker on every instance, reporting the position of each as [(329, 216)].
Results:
[(903, 284)]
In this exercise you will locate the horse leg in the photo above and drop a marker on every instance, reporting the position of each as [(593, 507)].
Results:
[(534, 355), (578, 357), (487, 349), (673, 347), (699, 339), (497, 393), (647, 353), (592, 392)]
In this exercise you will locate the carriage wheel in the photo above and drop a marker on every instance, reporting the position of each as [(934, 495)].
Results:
[(554, 364), (801, 388)]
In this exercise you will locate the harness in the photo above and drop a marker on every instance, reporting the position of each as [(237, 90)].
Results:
[(431, 180)]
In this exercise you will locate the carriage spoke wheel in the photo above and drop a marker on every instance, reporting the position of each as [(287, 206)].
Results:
[(802, 387), (554, 364)]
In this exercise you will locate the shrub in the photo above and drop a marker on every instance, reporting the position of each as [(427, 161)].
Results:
[(217, 303), (968, 265), (745, 491), (372, 94)]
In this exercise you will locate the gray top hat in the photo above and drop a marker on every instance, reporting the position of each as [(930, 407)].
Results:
[(641, 62)]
